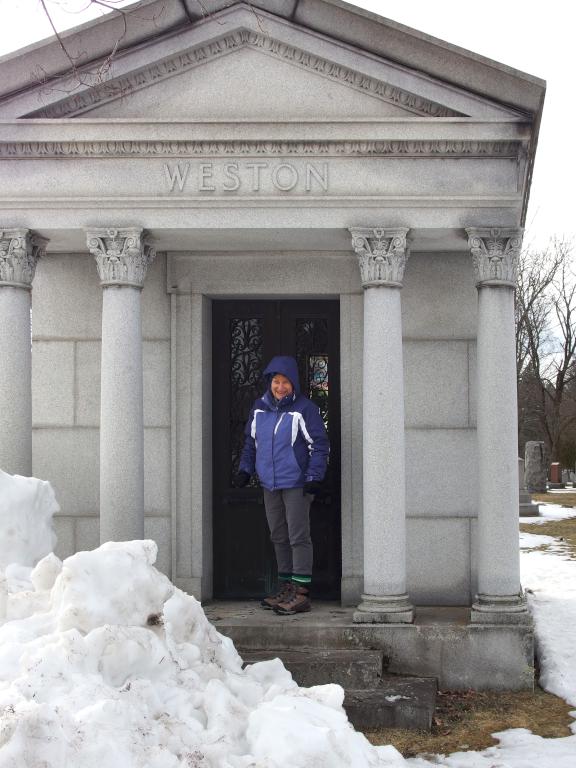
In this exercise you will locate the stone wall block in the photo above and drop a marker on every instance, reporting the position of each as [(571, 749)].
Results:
[(436, 383), (439, 561), (53, 383), (69, 459)]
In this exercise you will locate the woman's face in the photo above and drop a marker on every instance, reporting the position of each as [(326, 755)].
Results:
[(281, 386)]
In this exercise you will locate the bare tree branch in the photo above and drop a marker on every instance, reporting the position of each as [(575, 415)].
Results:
[(546, 344)]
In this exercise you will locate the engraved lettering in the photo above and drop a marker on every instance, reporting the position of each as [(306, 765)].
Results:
[(256, 168), (290, 175), (321, 177), (178, 175), (232, 174), (206, 171)]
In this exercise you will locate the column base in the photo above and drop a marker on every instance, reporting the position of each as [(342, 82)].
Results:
[(384, 609), (500, 609)]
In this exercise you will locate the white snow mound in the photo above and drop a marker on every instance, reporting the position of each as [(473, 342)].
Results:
[(103, 662), (26, 508)]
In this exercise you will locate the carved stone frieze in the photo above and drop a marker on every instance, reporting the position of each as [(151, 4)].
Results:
[(183, 148), (241, 38), (382, 255), (495, 253), (122, 255), (20, 250)]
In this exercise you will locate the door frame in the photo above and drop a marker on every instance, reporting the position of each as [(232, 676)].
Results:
[(192, 286), (240, 532)]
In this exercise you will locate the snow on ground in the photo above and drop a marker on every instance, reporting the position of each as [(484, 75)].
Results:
[(549, 578), (105, 664)]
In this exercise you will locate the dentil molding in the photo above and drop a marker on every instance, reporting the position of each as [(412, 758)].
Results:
[(495, 253), (20, 250), (119, 87), (188, 148), (382, 255), (122, 255)]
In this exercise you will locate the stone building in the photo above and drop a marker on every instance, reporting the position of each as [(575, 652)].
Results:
[(280, 176)]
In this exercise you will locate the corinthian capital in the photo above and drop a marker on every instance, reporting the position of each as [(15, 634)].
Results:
[(20, 250), (495, 253), (122, 255), (382, 255)]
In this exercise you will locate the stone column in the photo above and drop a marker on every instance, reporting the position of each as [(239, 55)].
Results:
[(122, 257), (382, 256), (495, 254), (19, 253)]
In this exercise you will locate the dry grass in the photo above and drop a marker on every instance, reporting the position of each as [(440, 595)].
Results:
[(565, 530), (562, 499), (465, 720)]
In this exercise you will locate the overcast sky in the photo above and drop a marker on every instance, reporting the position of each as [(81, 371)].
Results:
[(532, 36)]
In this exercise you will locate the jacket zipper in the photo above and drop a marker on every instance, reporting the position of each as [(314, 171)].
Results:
[(273, 457)]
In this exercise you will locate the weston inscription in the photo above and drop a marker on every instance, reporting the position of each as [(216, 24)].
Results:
[(247, 176)]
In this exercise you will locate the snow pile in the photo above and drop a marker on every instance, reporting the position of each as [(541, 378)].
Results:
[(549, 577), (103, 662), (26, 509)]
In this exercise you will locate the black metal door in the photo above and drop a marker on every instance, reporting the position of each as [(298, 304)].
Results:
[(246, 335)]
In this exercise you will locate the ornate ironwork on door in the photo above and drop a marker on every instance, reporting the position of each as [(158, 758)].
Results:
[(246, 362), (246, 335)]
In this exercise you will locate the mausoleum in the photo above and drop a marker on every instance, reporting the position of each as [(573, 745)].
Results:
[(240, 180)]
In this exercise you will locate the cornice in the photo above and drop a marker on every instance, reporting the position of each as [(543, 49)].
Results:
[(225, 44), (182, 149)]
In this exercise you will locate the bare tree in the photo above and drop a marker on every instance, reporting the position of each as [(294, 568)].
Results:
[(81, 75), (546, 345)]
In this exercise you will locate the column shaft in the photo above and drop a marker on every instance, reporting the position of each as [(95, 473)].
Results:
[(15, 381), (382, 257), (383, 444), (121, 417), (122, 257), (20, 250), (498, 553), (495, 254)]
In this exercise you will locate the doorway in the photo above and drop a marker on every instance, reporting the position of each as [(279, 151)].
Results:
[(245, 336)]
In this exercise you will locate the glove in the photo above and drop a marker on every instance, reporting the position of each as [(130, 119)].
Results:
[(241, 479), (313, 487)]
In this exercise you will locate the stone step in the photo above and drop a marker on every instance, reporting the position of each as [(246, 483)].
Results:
[(372, 699), (348, 668), (397, 702)]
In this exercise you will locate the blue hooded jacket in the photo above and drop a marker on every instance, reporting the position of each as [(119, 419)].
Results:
[(286, 442)]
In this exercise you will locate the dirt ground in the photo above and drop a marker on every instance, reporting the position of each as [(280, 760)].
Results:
[(466, 720)]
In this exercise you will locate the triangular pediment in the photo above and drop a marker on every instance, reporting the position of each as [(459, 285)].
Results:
[(241, 65)]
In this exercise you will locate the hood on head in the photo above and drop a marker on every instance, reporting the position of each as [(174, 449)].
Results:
[(285, 365)]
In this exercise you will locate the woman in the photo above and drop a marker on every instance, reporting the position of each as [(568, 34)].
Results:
[(287, 445)]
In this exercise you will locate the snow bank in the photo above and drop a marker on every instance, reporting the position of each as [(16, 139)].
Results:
[(103, 662), (26, 509), (549, 577)]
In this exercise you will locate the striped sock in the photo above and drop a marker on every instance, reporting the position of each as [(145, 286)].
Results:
[(302, 580)]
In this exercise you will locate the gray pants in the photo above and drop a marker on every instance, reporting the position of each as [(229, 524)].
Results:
[(288, 515)]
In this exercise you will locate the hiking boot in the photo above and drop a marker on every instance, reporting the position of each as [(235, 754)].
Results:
[(297, 602), (285, 592)]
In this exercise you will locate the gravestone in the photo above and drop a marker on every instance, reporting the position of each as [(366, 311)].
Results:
[(536, 466), (527, 507), (555, 475)]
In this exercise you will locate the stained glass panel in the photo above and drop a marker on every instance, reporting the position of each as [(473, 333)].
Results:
[(312, 357)]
